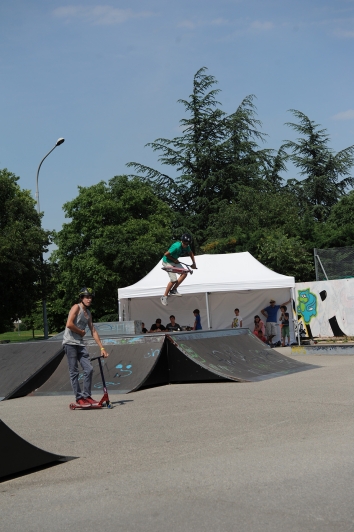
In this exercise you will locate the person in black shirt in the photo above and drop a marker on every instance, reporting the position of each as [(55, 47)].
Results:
[(173, 326), (157, 326)]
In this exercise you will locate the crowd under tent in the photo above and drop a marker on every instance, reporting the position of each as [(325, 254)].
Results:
[(219, 285)]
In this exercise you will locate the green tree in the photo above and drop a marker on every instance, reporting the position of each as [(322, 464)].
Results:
[(117, 233), (286, 255), (214, 156), (338, 231), (22, 242), (326, 174)]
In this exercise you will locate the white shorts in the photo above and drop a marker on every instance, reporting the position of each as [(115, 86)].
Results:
[(172, 275), (271, 328)]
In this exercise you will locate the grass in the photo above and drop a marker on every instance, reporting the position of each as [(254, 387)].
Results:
[(22, 336)]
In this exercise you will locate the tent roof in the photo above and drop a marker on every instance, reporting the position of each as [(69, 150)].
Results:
[(215, 273)]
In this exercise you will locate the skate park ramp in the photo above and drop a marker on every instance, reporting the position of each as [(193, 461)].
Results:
[(26, 366), (133, 362), (18, 455), (231, 354)]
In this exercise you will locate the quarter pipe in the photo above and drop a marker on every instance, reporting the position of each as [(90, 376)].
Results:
[(17, 455)]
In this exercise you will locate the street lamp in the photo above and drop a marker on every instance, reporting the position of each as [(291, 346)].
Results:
[(44, 303)]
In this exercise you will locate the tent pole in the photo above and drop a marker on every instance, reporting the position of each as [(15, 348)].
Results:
[(207, 309), (119, 311), (296, 323)]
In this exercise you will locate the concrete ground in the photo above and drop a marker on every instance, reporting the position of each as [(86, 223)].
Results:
[(276, 455)]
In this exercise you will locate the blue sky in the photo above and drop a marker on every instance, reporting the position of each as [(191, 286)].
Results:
[(107, 77)]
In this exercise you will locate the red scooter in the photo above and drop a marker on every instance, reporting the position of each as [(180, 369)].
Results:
[(105, 399)]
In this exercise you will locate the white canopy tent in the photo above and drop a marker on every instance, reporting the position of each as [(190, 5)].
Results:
[(219, 285)]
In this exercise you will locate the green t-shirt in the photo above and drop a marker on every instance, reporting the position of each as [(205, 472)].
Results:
[(177, 251)]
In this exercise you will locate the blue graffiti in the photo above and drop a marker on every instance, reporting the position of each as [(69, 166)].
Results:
[(123, 372), (152, 353), (99, 385)]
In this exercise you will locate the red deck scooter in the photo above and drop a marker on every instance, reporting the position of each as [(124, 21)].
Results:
[(179, 271), (105, 399)]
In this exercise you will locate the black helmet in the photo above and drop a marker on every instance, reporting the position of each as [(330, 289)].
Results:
[(86, 292), (186, 237)]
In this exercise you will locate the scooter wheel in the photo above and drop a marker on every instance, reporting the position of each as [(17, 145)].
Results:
[(109, 405), (72, 406)]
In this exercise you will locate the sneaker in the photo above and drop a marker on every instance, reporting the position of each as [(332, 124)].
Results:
[(175, 293), (83, 402), (91, 401), (164, 300)]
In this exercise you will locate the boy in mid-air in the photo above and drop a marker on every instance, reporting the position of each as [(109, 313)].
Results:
[(170, 258)]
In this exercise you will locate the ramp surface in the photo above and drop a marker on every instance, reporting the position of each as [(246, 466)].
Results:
[(25, 366), (132, 363), (232, 354), (17, 455)]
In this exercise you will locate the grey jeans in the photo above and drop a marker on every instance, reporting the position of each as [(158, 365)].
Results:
[(76, 354)]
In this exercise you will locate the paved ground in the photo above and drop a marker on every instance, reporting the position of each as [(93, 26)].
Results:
[(270, 456)]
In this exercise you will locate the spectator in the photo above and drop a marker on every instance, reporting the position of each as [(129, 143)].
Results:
[(271, 314), (237, 321), (143, 328), (197, 325), (173, 326), (285, 330), (261, 336), (258, 325), (157, 326)]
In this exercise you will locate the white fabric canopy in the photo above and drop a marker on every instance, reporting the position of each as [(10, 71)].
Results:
[(215, 273), (219, 285)]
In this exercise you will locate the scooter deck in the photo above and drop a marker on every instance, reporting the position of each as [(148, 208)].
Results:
[(176, 270), (75, 406)]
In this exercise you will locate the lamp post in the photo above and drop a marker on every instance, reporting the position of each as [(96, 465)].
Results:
[(44, 302)]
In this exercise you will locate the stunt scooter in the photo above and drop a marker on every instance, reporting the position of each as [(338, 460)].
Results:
[(179, 271), (105, 399)]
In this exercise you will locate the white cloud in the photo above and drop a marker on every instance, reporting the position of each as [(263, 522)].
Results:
[(344, 34), (187, 24), (262, 26), (100, 15), (344, 115), (219, 21)]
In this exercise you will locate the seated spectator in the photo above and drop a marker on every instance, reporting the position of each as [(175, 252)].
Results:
[(258, 325), (143, 328), (157, 327), (173, 326), (261, 336)]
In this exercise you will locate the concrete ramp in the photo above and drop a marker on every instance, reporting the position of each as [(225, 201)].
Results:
[(18, 456), (26, 366), (133, 362), (232, 354)]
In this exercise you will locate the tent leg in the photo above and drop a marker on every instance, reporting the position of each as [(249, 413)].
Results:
[(207, 309), (296, 323), (119, 311)]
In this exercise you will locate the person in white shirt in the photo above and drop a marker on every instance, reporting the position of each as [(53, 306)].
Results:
[(237, 321)]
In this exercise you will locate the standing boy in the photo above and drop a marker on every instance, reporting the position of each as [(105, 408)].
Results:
[(79, 318), (170, 258), (197, 324), (237, 321), (285, 330)]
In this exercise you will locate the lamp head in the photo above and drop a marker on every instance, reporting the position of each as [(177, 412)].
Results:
[(60, 141)]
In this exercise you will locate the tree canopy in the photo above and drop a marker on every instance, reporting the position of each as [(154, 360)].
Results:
[(116, 234), (22, 242)]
